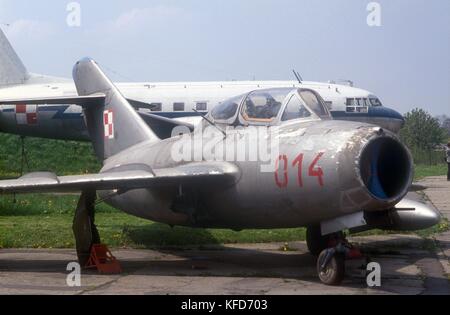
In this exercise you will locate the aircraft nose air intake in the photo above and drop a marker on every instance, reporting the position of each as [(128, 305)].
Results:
[(386, 168)]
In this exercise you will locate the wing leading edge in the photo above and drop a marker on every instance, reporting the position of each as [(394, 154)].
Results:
[(120, 179), (61, 100)]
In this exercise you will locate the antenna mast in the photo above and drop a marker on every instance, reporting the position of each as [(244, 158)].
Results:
[(298, 76)]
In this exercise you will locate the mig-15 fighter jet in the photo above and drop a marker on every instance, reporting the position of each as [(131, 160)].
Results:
[(320, 173)]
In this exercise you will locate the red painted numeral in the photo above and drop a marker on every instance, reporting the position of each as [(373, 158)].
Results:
[(298, 162), (317, 171), (284, 183), (314, 170)]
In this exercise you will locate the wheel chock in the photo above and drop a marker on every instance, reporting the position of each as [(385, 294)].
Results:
[(103, 260)]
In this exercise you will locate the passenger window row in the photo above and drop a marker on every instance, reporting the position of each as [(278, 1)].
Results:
[(179, 107), (363, 102)]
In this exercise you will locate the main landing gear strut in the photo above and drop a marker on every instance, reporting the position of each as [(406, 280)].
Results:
[(84, 229), (91, 253), (332, 250)]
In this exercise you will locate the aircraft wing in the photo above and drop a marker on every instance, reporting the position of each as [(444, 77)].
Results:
[(69, 100), (162, 126), (59, 100), (136, 177)]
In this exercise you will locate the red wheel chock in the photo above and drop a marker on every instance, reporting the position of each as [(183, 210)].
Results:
[(354, 253), (103, 260)]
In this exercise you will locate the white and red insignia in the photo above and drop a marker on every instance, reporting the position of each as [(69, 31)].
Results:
[(108, 122), (26, 114)]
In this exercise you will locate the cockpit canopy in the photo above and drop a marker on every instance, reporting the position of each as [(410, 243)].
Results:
[(271, 107)]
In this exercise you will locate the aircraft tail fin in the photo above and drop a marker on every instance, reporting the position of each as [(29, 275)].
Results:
[(113, 125), (12, 70)]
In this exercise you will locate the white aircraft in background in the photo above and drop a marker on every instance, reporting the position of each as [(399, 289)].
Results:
[(184, 101)]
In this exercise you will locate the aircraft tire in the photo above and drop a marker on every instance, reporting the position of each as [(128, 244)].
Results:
[(315, 241), (334, 272)]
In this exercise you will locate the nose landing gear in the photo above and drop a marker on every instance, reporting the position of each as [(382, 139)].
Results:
[(331, 265), (331, 261)]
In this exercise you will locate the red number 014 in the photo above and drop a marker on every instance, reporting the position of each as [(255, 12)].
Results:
[(313, 171)]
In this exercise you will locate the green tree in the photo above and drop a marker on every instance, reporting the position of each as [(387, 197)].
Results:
[(446, 126), (422, 133)]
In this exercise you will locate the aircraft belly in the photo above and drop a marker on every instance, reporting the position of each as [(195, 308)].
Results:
[(147, 204)]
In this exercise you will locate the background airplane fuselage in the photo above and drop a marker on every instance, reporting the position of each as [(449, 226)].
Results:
[(173, 100), (183, 100)]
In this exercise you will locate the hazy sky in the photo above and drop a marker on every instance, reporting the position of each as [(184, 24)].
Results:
[(405, 61)]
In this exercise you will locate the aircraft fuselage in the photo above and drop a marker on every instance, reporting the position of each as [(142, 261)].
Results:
[(326, 183), (183, 101)]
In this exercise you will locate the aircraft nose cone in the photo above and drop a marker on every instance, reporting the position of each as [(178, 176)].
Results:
[(386, 112), (389, 118)]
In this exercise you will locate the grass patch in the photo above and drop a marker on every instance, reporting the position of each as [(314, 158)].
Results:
[(422, 170), (45, 221), (442, 227), (60, 157)]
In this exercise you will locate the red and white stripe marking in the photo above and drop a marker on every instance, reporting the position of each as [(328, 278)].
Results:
[(26, 114), (108, 122)]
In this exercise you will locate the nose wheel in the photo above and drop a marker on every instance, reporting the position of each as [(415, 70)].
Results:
[(331, 267), (331, 262)]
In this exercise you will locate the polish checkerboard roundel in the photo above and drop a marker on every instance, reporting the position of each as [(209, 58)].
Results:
[(108, 122), (26, 114)]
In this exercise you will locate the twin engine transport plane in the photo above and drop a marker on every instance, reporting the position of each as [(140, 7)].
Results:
[(184, 101), (329, 175)]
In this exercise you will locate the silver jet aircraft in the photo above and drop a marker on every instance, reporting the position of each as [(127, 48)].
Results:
[(326, 175)]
